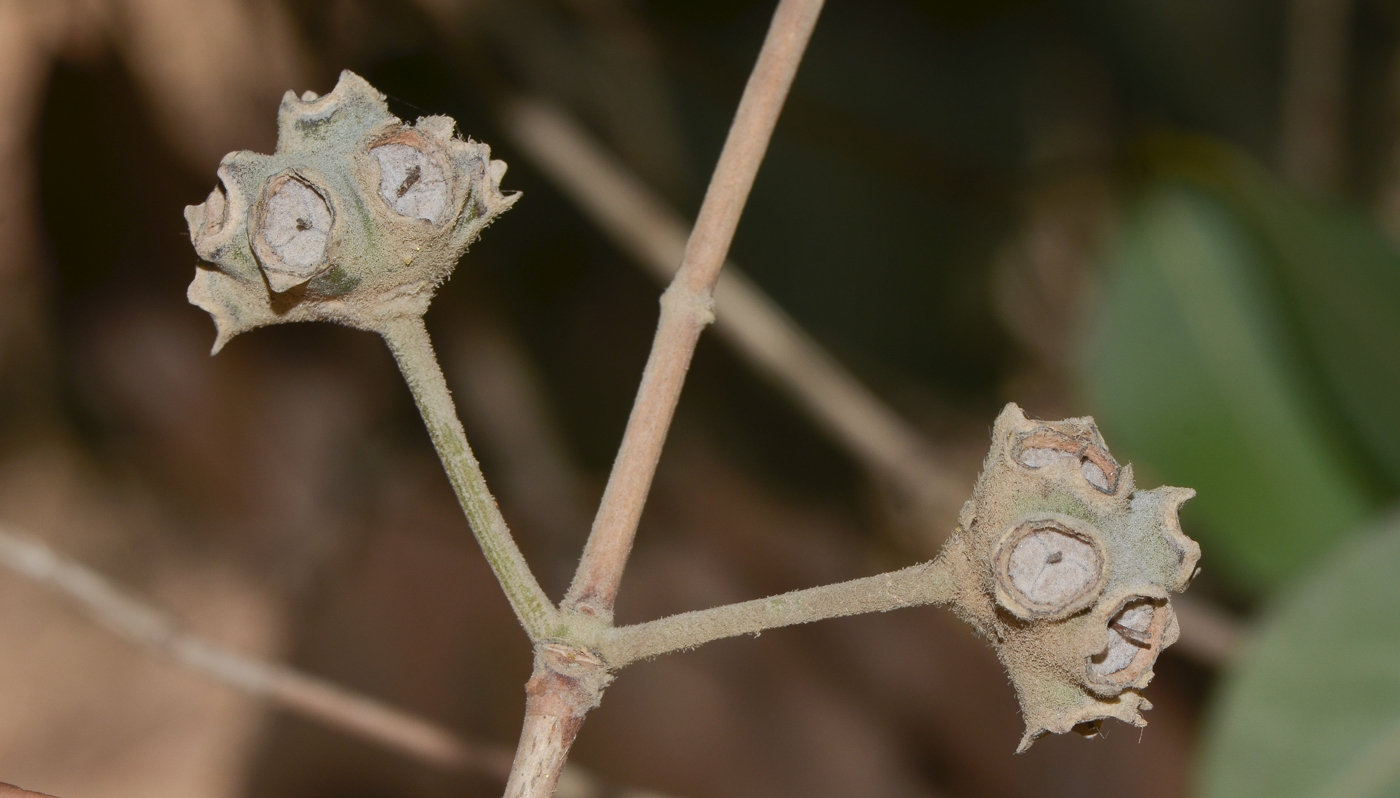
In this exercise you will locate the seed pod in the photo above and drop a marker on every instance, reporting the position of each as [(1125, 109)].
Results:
[(1066, 568), (357, 218)]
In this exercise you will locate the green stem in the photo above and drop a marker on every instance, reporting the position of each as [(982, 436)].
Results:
[(413, 349), (926, 583)]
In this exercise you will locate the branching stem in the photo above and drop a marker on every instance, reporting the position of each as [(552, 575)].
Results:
[(413, 350)]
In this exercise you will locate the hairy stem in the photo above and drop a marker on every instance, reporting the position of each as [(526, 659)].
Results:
[(544, 744), (568, 681), (413, 349), (686, 309), (925, 583)]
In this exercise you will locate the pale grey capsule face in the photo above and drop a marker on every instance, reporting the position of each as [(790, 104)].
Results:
[(1135, 634), (356, 218), (1048, 448), (1049, 568), (298, 222), (215, 214), (412, 183), (293, 233)]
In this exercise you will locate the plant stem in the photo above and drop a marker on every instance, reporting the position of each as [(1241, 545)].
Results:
[(686, 307), (642, 224), (567, 683), (925, 583), (413, 349), (543, 750)]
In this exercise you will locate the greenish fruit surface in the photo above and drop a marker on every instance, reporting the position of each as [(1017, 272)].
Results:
[(357, 217), (1066, 568)]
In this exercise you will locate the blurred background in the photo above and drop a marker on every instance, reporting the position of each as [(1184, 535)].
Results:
[(1178, 216)]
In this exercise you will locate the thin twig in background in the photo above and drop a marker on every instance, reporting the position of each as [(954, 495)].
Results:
[(1312, 136), (647, 229), (11, 791), (147, 627), (152, 630)]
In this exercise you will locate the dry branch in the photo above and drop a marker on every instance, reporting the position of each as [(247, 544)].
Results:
[(153, 631), (569, 679), (687, 307)]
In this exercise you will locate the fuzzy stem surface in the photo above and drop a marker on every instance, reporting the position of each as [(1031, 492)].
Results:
[(686, 308), (926, 583), (413, 350), (545, 739), (567, 683)]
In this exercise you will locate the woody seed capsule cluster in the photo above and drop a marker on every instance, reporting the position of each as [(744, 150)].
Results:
[(357, 218), (1066, 568)]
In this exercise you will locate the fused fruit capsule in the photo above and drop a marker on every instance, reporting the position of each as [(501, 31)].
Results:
[(1066, 568), (357, 218)]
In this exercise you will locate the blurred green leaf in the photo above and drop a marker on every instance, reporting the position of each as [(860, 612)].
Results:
[(1340, 281), (1313, 708), (1197, 376)]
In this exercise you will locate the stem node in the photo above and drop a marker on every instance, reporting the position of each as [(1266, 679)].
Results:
[(568, 682)]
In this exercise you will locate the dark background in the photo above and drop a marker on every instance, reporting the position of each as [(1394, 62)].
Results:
[(1171, 214)]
